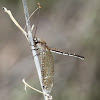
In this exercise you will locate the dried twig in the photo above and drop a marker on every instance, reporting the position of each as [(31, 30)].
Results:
[(14, 20), (29, 37), (27, 85), (32, 47)]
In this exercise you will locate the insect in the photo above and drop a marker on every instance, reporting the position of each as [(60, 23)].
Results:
[(47, 63)]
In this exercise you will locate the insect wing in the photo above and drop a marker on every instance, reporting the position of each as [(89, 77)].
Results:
[(47, 70)]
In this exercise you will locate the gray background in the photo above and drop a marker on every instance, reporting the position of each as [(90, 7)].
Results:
[(69, 25)]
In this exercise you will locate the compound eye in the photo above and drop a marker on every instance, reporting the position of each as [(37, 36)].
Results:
[(36, 40)]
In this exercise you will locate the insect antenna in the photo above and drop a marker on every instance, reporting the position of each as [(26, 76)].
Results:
[(39, 6)]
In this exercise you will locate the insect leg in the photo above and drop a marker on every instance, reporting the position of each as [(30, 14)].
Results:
[(36, 55), (35, 49)]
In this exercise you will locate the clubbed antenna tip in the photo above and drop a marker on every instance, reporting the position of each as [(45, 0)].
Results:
[(39, 5)]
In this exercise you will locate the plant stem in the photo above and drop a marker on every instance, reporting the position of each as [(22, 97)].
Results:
[(30, 38)]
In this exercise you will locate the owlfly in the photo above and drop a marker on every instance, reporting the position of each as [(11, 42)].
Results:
[(47, 63)]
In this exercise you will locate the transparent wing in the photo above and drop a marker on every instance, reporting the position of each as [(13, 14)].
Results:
[(47, 70)]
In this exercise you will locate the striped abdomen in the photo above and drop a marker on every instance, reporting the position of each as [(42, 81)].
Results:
[(66, 53)]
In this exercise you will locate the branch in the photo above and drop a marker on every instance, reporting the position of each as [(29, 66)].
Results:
[(30, 40), (14, 21), (27, 85), (32, 45)]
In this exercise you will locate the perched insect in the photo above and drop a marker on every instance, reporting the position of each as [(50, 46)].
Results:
[(46, 59), (47, 63)]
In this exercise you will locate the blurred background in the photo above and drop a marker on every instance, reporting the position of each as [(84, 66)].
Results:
[(69, 25)]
